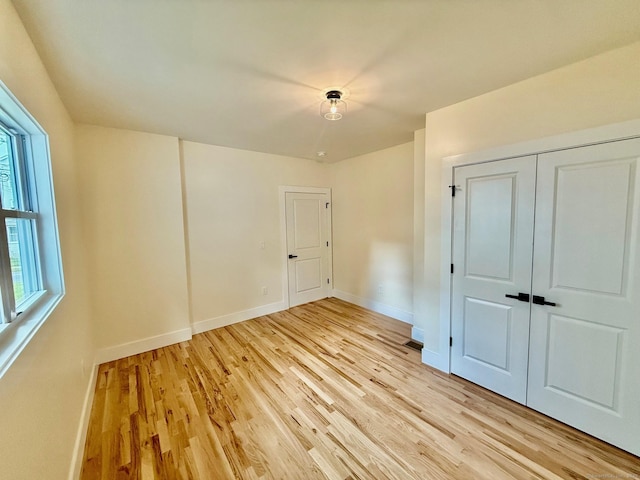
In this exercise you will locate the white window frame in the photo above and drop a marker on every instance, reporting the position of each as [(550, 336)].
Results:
[(18, 326)]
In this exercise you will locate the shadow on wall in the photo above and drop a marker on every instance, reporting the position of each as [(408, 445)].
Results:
[(389, 275)]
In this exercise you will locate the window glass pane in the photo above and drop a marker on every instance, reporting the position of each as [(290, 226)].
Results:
[(9, 193), (24, 267)]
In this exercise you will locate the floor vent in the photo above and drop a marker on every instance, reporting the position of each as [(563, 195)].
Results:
[(414, 345)]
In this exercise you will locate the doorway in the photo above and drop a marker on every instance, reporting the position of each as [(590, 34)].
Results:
[(307, 243)]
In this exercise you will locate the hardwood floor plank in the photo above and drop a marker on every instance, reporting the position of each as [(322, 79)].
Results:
[(321, 391)]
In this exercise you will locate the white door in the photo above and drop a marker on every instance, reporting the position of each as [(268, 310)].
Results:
[(584, 366), (307, 246), (493, 230)]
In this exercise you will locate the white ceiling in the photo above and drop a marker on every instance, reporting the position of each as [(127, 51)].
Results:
[(250, 73)]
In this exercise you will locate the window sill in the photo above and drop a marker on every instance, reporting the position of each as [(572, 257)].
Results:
[(15, 336), (25, 307)]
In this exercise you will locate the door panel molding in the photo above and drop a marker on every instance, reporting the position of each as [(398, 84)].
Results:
[(603, 364), (495, 350)]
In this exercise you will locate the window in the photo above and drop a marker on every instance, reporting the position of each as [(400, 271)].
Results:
[(30, 266), (20, 278)]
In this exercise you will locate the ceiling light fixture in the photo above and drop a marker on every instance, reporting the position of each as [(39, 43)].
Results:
[(333, 108)]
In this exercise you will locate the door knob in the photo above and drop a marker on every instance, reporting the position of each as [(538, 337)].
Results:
[(538, 300), (523, 297), (293, 256)]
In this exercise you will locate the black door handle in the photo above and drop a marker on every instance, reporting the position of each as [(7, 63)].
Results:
[(538, 300), (293, 256), (523, 297)]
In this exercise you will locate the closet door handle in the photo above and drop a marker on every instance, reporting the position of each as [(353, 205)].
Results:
[(293, 256), (538, 300), (522, 297)]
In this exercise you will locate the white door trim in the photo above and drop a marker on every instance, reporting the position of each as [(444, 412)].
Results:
[(283, 190), (619, 131)]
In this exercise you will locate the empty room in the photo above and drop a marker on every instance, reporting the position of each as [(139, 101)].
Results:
[(304, 239)]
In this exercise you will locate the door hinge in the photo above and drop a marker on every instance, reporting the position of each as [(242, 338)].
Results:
[(453, 190), (451, 341), (328, 281), (452, 268), (327, 244)]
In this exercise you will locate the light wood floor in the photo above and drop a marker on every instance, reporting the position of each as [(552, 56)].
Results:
[(325, 390)]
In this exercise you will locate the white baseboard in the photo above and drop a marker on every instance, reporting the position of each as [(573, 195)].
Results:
[(436, 360), (417, 334), (83, 426), (144, 345), (231, 318), (378, 307)]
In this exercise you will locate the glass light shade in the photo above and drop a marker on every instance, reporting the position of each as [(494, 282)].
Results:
[(333, 109)]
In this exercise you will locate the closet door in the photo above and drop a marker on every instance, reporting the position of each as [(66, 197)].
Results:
[(585, 350), (493, 232)]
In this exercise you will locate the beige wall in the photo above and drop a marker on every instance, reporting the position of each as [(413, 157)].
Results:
[(373, 227), (132, 202), (597, 91), (41, 395), (232, 205), (132, 205)]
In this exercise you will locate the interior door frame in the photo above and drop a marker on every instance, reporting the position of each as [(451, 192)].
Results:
[(441, 359), (283, 190)]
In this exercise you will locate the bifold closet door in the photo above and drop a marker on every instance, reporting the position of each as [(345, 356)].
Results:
[(493, 231), (584, 361)]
